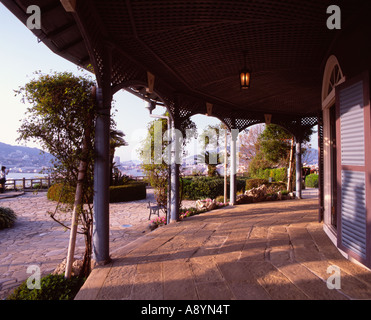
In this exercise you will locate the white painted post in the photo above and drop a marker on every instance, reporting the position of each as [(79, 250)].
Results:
[(298, 193), (174, 174), (233, 167)]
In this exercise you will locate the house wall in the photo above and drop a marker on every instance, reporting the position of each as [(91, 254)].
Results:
[(352, 49)]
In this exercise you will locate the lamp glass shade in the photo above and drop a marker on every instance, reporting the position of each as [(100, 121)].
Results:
[(151, 106), (245, 78)]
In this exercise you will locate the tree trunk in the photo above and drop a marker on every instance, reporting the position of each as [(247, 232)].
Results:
[(77, 207), (86, 266), (291, 166), (78, 204)]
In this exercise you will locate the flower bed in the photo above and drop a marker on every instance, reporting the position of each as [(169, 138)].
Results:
[(201, 206), (157, 222), (264, 193)]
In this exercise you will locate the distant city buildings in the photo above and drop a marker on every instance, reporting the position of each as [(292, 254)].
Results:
[(30, 160)]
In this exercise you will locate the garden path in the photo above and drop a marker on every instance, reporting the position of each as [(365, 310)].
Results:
[(268, 250), (36, 239)]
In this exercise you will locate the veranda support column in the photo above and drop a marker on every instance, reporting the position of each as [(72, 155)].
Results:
[(169, 126), (101, 186), (298, 169), (233, 168), (174, 192), (175, 162)]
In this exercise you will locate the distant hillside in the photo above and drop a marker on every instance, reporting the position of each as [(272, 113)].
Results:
[(130, 163), (6, 149), (20, 156)]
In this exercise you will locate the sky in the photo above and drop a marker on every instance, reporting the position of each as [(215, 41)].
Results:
[(21, 55)]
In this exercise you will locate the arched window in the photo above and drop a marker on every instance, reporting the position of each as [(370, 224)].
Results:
[(332, 76)]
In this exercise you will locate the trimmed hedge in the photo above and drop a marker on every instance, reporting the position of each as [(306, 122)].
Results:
[(311, 180), (128, 192), (207, 187)]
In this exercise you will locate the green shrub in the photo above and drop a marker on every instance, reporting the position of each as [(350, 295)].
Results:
[(129, 192), (68, 193), (207, 187), (39, 186), (52, 287), (255, 183), (202, 187), (120, 179), (274, 187), (278, 174), (7, 217), (219, 199), (311, 181)]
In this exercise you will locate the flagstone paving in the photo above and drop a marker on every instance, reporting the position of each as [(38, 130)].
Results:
[(36, 239), (269, 250)]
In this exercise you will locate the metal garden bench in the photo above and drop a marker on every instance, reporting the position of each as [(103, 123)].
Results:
[(153, 209)]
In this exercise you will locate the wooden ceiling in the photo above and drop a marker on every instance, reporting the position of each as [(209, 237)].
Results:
[(195, 48)]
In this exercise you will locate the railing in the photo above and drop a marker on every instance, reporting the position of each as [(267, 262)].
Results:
[(29, 184), (138, 178)]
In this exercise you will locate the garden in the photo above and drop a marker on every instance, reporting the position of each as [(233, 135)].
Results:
[(128, 190), (55, 286), (209, 192)]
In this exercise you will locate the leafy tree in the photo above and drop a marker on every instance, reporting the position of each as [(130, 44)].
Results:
[(61, 117), (210, 143), (275, 148), (116, 140), (275, 144), (258, 162), (156, 173), (154, 145), (248, 140)]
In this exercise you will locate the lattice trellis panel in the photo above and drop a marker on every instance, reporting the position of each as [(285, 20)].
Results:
[(94, 37), (122, 72), (296, 125), (309, 121), (242, 124)]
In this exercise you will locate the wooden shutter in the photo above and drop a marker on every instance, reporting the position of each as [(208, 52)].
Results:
[(353, 158)]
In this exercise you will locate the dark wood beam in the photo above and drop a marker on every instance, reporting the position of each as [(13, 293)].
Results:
[(59, 31), (71, 44)]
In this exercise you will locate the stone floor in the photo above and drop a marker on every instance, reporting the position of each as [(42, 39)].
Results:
[(36, 239), (271, 250)]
